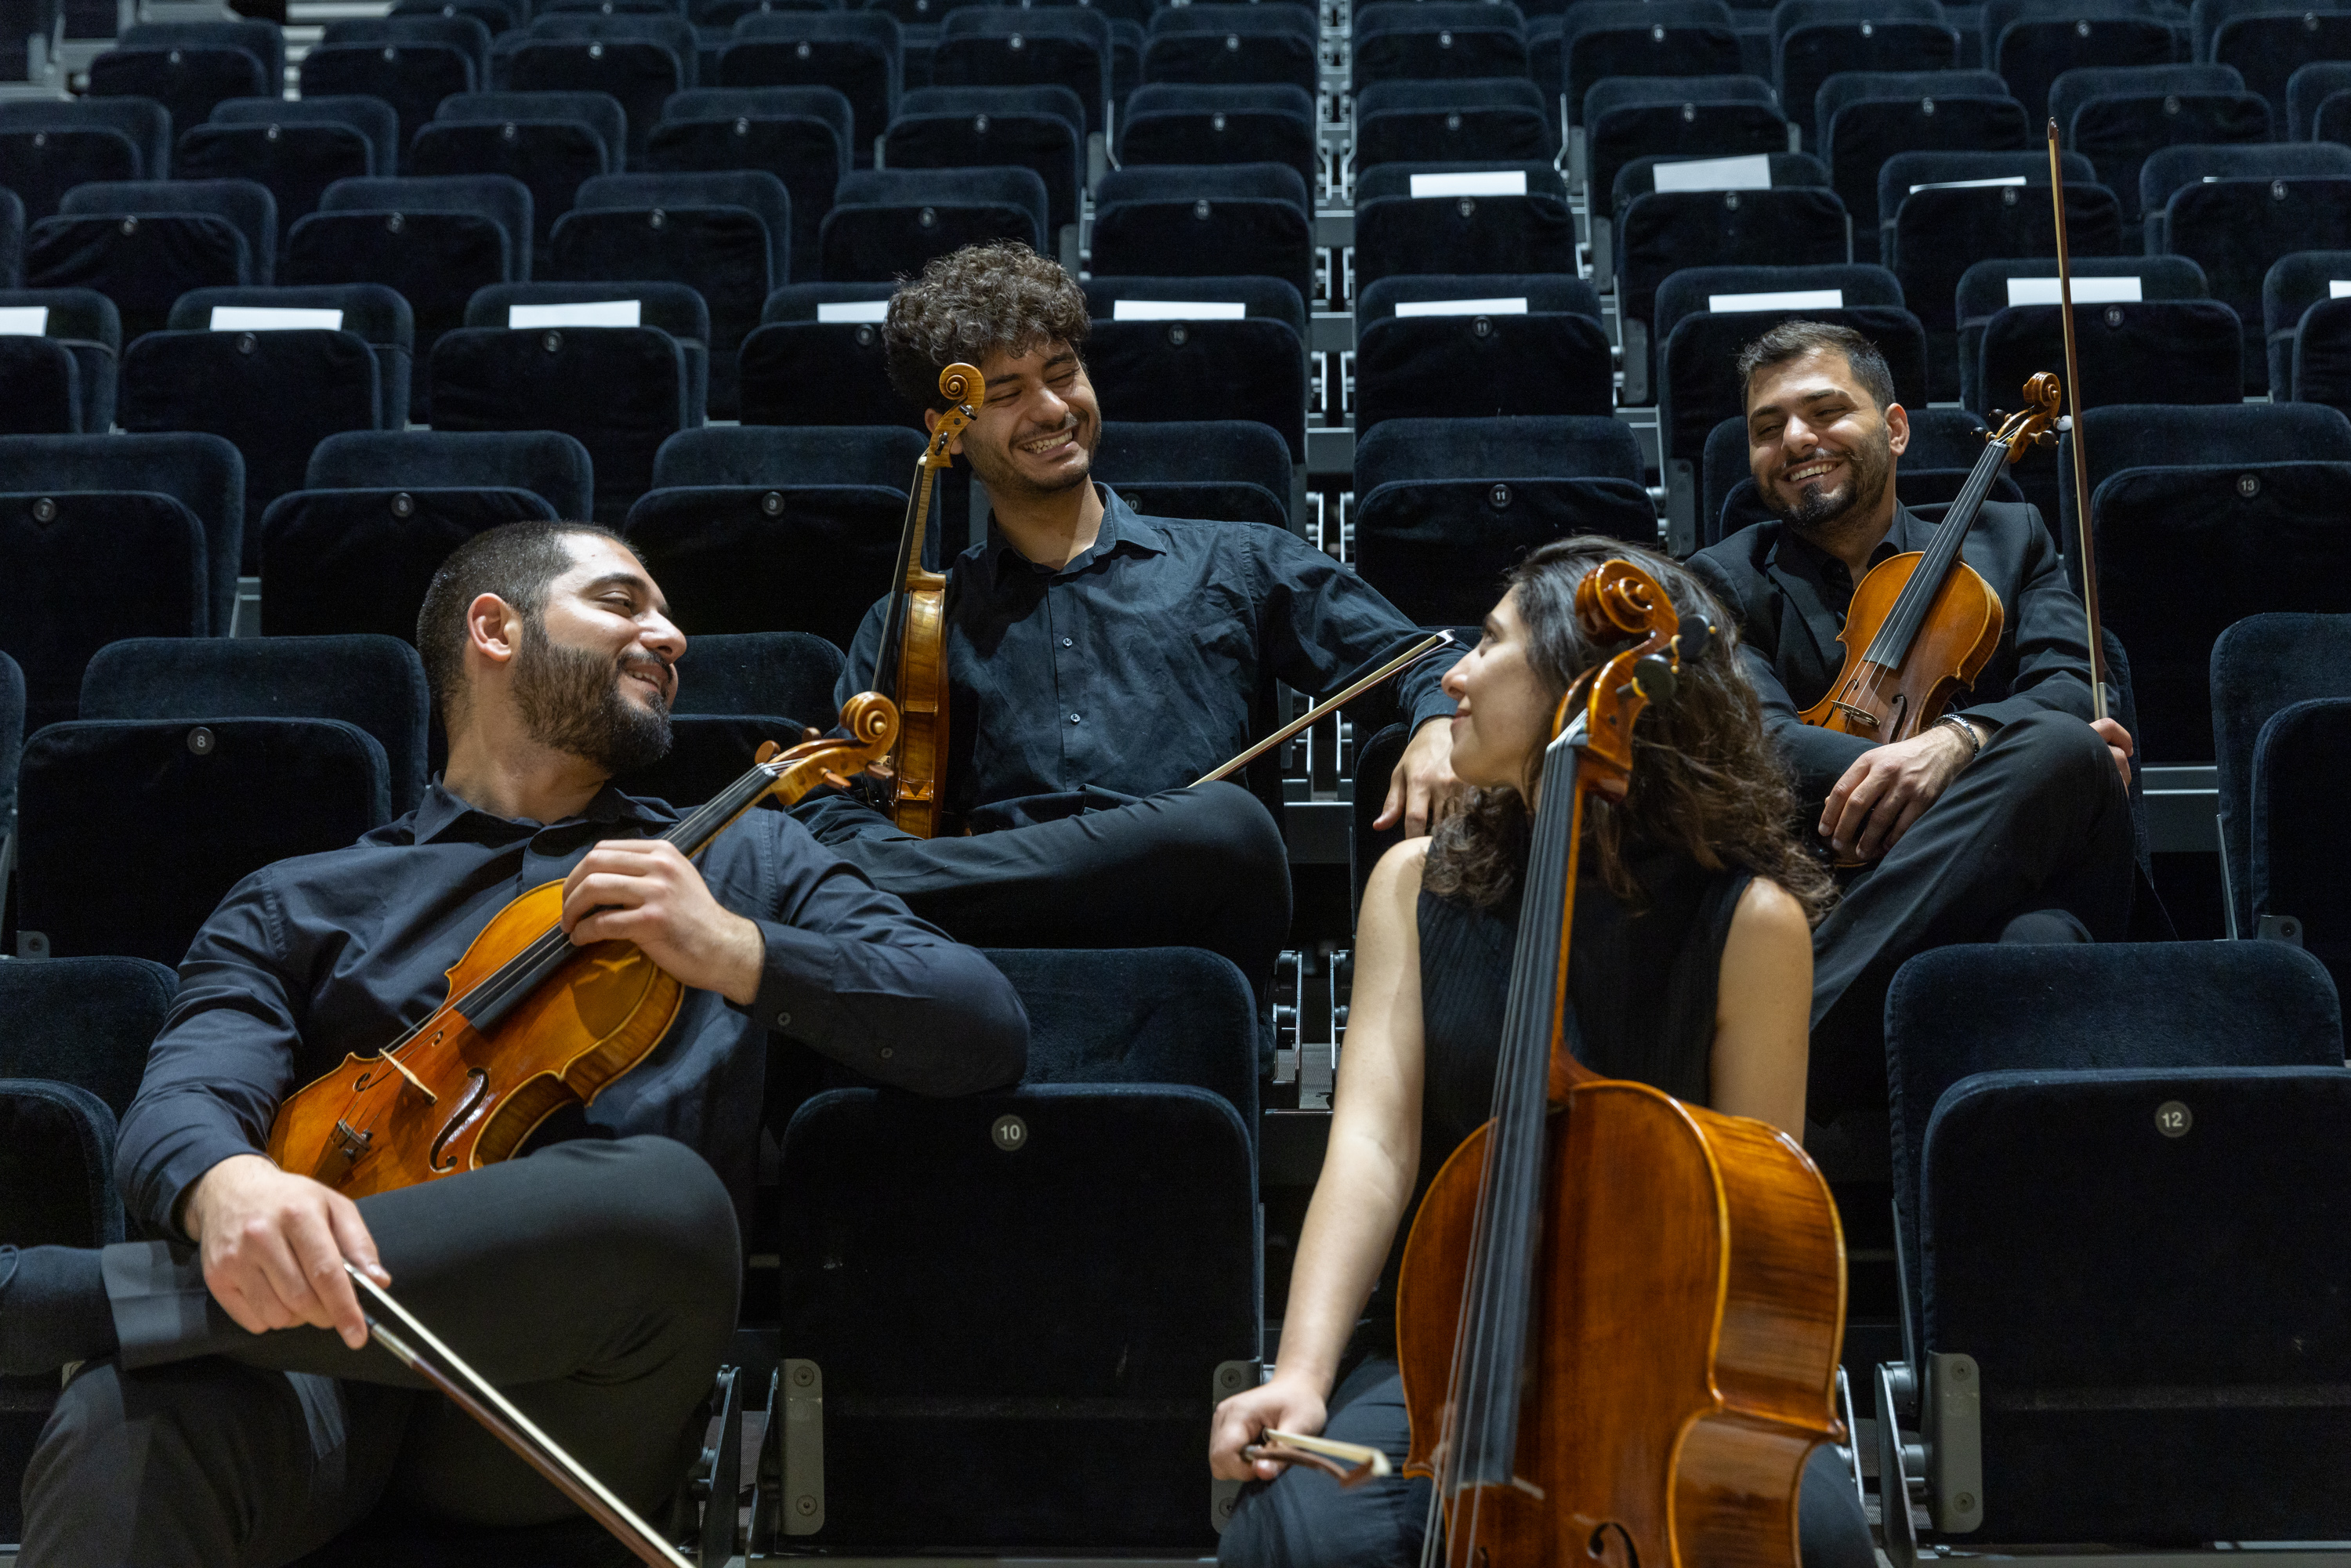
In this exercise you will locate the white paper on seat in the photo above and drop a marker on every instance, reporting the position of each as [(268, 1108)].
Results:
[(1782, 300), (1177, 310), (1497, 182), (1516, 306), (854, 310), (24, 321), (1967, 184), (2336, 288), (588, 313), (274, 319), (1751, 172), (2087, 291)]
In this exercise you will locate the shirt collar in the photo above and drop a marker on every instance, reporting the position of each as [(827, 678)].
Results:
[(1122, 525), (444, 815), (1792, 549)]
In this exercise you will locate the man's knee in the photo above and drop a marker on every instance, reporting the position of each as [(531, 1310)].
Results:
[(657, 1204), (1225, 822)]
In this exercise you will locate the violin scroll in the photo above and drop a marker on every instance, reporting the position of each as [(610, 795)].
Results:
[(965, 389), (2037, 423)]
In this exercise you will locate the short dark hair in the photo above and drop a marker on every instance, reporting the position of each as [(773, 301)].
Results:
[(967, 306), (1794, 340), (516, 562)]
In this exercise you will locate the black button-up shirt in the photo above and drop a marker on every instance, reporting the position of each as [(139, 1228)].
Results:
[(1138, 666), (325, 955)]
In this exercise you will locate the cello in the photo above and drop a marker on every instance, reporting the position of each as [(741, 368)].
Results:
[(1619, 1315), (531, 1023), (912, 665)]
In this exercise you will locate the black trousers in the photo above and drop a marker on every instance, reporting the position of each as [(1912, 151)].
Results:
[(1303, 1521), (593, 1283), (2039, 821), (1201, 867)]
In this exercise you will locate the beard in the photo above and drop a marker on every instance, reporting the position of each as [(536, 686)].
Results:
[(1821, 512), (997, 471), (569, 700)]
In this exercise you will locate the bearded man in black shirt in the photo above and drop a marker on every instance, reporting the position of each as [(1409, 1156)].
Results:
[(2007, 820), (1099, 661), (232, 1410)]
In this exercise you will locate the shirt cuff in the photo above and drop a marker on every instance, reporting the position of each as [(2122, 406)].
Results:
[(180, 1168), (1432, 705)]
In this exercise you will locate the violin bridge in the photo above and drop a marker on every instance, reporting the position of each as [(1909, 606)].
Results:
[(350, 1141)]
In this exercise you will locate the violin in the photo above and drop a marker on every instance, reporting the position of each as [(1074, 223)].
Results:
[(1924, 623), (531, 1023), (911, 667), (1619, 1315)]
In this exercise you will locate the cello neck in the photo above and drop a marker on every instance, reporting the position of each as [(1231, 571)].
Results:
[(1892, 643)]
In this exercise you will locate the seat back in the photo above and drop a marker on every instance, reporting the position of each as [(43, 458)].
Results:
[(885, 223), (800, 134), (774, 558), (2297, 863), (2322, 356), (859, 53), (2120, 128), (1042, 128), (1228, 470), (2181, 351), (2238, 228), (377, 316), (360, 561), (790, 456), (1252, 369), (1520, 447), (1438, 549), (43, 388), (1542, 362), (412, 75), (2291, 286), (87, 1023), (101, 803), (374, 682), (548, 462), (984, 46), (1989, 287), (1435, 226), (1169, 122), (203, 472), (2262, 665), (1208, 221)]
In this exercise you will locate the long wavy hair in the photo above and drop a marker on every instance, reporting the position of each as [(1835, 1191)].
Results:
[(1705, 781)]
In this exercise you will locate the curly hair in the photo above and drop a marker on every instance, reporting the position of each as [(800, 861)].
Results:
[(1705, 780), (967, 306)]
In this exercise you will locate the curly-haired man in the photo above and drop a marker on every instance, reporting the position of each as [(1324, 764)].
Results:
[(1099, 661)]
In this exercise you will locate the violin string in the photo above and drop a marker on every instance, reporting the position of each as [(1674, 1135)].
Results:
[(1893, 638)]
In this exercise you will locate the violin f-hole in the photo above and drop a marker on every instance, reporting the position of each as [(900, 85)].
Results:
[(480, 1082)]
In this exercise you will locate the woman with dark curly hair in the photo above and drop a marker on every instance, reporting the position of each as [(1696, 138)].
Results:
[(1690, 969)]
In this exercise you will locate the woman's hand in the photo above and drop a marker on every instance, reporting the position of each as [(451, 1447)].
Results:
[(1284, 1405)]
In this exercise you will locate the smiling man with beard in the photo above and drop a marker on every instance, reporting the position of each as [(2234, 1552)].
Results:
[(1099, 660), (233, 1412), (2007, 821)]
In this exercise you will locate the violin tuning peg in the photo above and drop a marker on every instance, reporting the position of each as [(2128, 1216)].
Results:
[(835, 779)]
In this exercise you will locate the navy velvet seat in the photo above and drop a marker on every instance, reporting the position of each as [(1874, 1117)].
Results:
[(1504, 118), (1216, 220), (861, 54), (1252, 369), (2270, 43), (52, 546), (1439, 548), (639, 60), (203, 472), (1210, 43), (2043, 42), (672, 308), (1861, 119), (2298, 858), (2177, 350), (1513, 447), (1397, 232), (548, 463), (273, 395), (40, 388), (2322, 356), (1438, 347), (2313, 88), (1225, 470), (1238, 122), (779, 557), (2153, 436), (349, 560), (2184, 551), (2263, 665), (737, 673), (142, 244), (726, 234), (189, 67), (468, 35), (888, 222), (552, 142), (412, 75), (99, 799), (1442, 39), (2118, 116), (12, 745), (803, 135), (435, 241), (371, 681), (995, 46), (48, 147), (1815, 52), (2237, 210), (1038, 127), (1144, 299), (1123, 1171), (817, 358), (2072, 1172), (790, 456), (2293, 284), (376, 315), (1627, 118), (1985, 290), (498, 15), (296, 149), (1604, 39)]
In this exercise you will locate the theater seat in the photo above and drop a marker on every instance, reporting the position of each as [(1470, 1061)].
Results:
[(774, 558), (1223, 470), (202, 473), (817, 358), (142, 244), (2262, 665), (1443, 347), (360, 561)]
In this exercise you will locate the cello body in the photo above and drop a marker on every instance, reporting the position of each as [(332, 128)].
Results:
[(1690, 1309), (921, 757), (1962, 630)]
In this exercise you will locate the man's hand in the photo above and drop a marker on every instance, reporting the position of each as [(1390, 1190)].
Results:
[(1423, 791), (1282, 1405), (273, 1244), (1887, 788), (2120, 744), (644, 891)]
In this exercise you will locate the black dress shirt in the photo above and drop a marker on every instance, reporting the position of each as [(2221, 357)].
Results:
[(311, 959), (1139, 665), (1789, 599)]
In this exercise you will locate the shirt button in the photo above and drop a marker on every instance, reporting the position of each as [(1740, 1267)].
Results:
[(1069, 642), (1074, 718), (783, 1020)]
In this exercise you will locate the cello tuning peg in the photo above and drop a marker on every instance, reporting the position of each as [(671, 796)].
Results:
[(1695, 636)]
